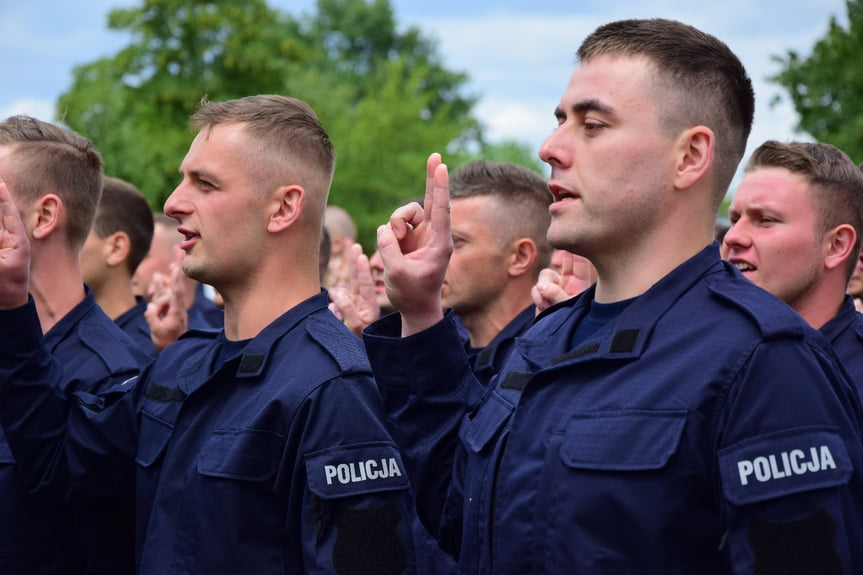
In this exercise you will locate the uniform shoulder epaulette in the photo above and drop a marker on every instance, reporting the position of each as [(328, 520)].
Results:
[(116, 357), (341, 345), (773, 316)]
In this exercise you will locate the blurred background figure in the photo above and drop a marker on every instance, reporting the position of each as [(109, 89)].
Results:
[(164, 250), (342, 233), (118, 241)]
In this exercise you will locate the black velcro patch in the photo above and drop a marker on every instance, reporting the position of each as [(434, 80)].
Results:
[(516, 380), (251, 363), (485, 356), (795, 547), (624, 341), (164, 394), (367, 542), (578, 352)]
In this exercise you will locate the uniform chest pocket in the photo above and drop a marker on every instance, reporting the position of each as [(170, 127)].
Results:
[(477, 431), (632, 440), (153, 437), (244, 454)]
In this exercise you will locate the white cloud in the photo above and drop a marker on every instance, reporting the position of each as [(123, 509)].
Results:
[(525, 121), (42, 109), (518, 55), (519, 64)]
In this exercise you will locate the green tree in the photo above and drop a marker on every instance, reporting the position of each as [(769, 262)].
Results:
[(135, 105), (514, 152), (396, 104), (383, 95), (826, 88)]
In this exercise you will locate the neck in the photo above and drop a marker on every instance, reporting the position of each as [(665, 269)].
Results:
[(255, 302), (191, 291), (631, 268), (115, 296), (484, 324), (57, 287), (821, 304)]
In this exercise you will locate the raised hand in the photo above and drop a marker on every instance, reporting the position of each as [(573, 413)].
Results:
[(14, 254), (355, 302), (415, 248), (166, 312), (576, 275)]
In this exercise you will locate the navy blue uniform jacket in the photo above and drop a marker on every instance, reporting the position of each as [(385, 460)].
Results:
[(43, 535), (708, 430), (279, 461), (845, 332), (134, 323)]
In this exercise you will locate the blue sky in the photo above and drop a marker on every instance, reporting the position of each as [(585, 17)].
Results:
[(518, 54)]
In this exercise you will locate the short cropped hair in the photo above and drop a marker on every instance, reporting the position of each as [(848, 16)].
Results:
[(291, 142), (521, 199), (123, 208), (702, 80), (835, 182), (51, 159)]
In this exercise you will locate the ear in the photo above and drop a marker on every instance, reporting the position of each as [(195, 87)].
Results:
[(117, 247), (695, 148), (290, 206), (840, 245), (46, 211), (522, 257)]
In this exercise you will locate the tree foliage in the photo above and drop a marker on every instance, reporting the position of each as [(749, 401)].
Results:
[(826, 88), (383, 94)]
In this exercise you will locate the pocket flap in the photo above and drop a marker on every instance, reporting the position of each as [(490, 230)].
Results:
[(246, 454), (487, 422), (153, 436), (631, 440)]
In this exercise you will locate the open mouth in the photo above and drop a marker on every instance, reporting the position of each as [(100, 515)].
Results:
[(561, 194)]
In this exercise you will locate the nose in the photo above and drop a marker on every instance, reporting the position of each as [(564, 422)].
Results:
[(553, 150), (733, 238), (375, 262), (174, 205)]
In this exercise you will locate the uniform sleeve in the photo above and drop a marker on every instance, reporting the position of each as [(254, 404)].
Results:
[(57, 439), (790, 465), (358, 508), (428, 387)]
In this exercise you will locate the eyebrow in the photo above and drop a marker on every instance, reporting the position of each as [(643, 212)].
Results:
[(200, 175), (583, 106)]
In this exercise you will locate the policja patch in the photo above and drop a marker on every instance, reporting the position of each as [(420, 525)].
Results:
[(355, 469), (781, 463)]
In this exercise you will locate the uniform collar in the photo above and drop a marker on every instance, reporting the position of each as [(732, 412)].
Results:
[(69, 322), (518, 325), (255, 357), (848, 317), (626, 338)]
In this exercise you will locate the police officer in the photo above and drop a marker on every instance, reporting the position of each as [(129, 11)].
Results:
[(260, 448), (499, 221), (118, 241), (796, 230), (673, 418), (55, 178)]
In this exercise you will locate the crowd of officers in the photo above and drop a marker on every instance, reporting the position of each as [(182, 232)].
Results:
[(578, 375)]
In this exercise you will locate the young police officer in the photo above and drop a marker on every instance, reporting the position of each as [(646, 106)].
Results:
[(55, 177), (118, 241), (673, 418), (260, 448), (797, 227)]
